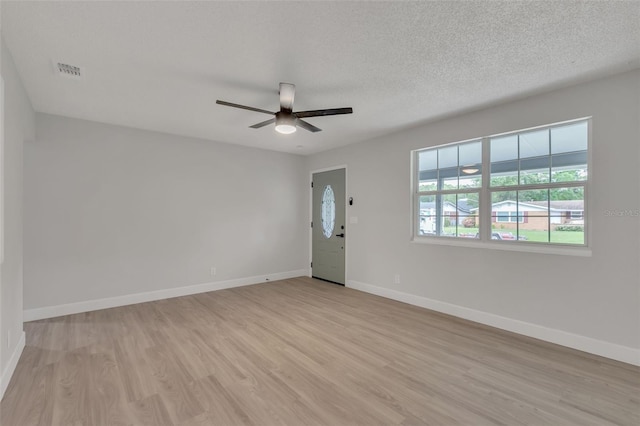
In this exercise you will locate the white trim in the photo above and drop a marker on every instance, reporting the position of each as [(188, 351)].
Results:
[(11, 365), (327, 169), (542, 126), (130, 299), (2, 174), (559, 337), (529, 247)]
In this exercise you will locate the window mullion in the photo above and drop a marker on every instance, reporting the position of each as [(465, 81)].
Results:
[(532, 186), (449, 191), (484, 207)]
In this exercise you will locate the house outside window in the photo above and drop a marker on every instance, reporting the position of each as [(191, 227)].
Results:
[(509, 217), (526, 187)]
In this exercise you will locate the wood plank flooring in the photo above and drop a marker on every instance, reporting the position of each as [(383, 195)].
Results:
[(304, 352)]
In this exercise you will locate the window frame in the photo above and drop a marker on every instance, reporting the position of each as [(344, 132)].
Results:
[(442, 192), (2, 169), (485, 205)]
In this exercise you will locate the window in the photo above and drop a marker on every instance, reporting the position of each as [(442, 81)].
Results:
[(449, 181), (523, 187), (508, 217)]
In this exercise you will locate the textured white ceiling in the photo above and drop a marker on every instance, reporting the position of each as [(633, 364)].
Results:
[(161, 65)]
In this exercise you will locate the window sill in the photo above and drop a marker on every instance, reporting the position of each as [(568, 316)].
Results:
[(541, 248)]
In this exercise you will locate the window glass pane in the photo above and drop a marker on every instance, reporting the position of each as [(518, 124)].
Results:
[(428, 160), (569, 167), (470, 177), (534, 170), (448, 167), (427, 184), (428, 170), (427, 225), (467, 216), (448, 216), (504, 148), (471, 153), (500, 196), (533, 215), (534, 144), (448, 157), (569, 138), (566, 203), (504, 173), (448, 178), (504, 213), (470, 173), (504, 160)]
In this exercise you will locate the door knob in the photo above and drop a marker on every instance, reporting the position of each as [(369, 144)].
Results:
[(340, 235)]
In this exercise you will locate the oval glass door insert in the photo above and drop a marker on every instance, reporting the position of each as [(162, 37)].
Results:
[(328, 211)]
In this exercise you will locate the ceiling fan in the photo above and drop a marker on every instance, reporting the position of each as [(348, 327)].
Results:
[(286, 119)]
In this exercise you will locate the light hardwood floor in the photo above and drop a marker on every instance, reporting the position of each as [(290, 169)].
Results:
[(304, 352)]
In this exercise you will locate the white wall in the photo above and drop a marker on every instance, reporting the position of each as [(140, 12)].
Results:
[(113, 211), (593, 301), (18, 127)]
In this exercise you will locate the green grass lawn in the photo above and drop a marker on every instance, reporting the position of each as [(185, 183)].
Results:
[(562, 237)]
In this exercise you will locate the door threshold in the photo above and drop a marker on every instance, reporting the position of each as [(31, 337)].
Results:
[(329, 281)]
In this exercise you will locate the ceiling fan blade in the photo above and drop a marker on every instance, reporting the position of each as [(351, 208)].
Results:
[(219, 102), (264, 123), (308, 126), (287, 93), (321, 112)]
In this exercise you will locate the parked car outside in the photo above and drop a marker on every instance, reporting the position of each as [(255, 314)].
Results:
[(506, 236)]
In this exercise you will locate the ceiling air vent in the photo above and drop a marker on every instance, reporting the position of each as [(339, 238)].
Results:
[(67, 70)]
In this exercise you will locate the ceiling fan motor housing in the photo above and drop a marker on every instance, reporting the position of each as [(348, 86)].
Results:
[(286, 122)]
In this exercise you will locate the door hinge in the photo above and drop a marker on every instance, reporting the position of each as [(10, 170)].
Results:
[(312, 224), (312, 264), (312, 184)]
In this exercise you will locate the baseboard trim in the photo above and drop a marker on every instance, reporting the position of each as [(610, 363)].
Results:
[(559, 337), (130, 299), (11, 366)]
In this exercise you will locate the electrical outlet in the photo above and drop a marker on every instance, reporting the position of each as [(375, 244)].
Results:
[(396, 279), (213, 271)]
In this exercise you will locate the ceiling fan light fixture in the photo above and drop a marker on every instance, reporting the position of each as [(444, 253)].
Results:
[(285, 129), (286, 120), (285, 124), (470, 170)]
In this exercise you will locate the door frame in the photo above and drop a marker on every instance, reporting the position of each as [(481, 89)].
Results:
[(346, 217)]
